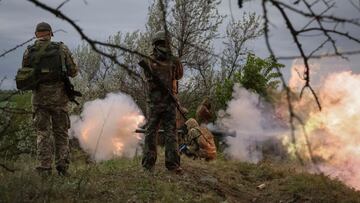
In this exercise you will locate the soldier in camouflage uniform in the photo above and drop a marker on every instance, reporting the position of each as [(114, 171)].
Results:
[(49, 99), (200, 141), (161, 74)]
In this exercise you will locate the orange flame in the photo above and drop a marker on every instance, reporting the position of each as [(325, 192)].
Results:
[(107, 127), (334, 132)]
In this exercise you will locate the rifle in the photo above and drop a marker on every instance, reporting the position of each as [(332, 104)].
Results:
[(70, 90), (69, 87), (183, 149), (145, 66)]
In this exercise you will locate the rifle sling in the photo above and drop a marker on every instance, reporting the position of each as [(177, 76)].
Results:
[(146, 67)]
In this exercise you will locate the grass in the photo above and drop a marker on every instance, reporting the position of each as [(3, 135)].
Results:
[(123, 180)]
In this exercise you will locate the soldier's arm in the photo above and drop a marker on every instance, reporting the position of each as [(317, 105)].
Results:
[(26, 59), (193, 145), (144, 63), (69, 62)]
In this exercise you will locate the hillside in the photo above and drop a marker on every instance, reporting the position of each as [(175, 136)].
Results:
[(123, 180)]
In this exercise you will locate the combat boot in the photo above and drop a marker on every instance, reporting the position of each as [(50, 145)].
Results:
[(178, 171), (62, 171)]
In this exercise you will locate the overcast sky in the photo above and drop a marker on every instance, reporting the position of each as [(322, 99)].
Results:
[(100, 19)]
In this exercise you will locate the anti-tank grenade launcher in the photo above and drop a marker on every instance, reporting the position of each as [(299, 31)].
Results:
[(216, 133)]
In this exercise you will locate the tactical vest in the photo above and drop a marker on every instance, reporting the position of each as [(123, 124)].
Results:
[(46, 59), (165, 72)]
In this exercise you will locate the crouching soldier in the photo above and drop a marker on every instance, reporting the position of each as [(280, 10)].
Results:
[(199, 142), (51, 63)]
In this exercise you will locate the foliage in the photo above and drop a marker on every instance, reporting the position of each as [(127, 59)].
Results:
[(17, 135), (99, 75), (238, 34), (258, 75), (224, 90)]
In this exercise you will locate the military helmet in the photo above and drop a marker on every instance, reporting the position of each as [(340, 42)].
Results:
[(159, 36), (43, 26), (191, 123), (206, 102)]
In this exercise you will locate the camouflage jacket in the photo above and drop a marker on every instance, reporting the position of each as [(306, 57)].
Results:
[(51, 94), (169, 72), (201, 143)]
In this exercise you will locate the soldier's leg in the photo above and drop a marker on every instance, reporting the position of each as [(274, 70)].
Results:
[(44, 142), (172, 157), (150, 154), (61, 124)]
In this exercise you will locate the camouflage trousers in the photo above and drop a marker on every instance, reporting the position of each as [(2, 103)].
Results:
[(52, 120), (164, 114)]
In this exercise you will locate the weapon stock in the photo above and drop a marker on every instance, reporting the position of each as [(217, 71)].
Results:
[(70, 91)]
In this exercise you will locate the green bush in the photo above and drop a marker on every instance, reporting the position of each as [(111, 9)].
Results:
[(257, 75)]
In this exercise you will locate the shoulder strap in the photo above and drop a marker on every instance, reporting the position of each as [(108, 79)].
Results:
[(41, 52), (62, 56)]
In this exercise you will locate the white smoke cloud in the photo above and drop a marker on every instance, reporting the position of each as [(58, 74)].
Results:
[(253, 126), (332, 133), (106, 127)]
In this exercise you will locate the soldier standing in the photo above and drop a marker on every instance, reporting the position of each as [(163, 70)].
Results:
[(53, 61), (203, 112), (161, 74)]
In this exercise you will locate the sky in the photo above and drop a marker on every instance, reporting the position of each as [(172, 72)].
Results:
[(101, 19)]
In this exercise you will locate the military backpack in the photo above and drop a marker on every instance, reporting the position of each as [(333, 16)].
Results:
[(46, 64)]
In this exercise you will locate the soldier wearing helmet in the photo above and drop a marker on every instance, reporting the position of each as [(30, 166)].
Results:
[(199, 141), (203, 112), (162, 72), (51, 61)]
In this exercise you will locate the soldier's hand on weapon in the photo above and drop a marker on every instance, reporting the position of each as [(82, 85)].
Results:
[(183, 148), (183, 130)]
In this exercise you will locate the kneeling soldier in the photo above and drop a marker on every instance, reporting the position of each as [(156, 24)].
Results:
[(199, 141)]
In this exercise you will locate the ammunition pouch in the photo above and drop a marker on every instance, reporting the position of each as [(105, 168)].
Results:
[(26, 79)]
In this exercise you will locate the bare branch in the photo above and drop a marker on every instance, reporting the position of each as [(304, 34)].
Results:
[(7, 168), (356, 6), (320, 17), (17, 46), (62, 4), (327, 55), (22, 44), (292, 114), (93, 43), (294, 34)]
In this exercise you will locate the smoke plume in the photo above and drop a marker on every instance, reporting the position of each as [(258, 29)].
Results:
[(106, 127), (254, 125), (332, 133)]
